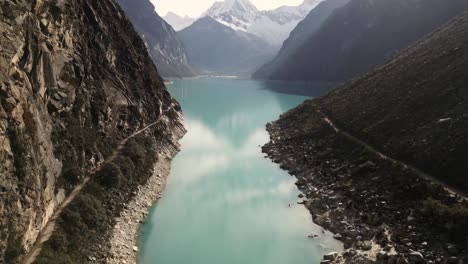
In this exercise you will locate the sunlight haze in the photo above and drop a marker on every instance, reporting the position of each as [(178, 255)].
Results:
[(196, 8)]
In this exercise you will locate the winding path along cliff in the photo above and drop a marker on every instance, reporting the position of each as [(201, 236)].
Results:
[(76, 79)]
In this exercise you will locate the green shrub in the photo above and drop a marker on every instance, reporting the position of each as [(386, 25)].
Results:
[(72, 175), (49, 255), (91, 211), (71, 221), (110, 176), (135, 151), (86, 212), (59, 239), (13, 250), (127, 167), (450, 219)]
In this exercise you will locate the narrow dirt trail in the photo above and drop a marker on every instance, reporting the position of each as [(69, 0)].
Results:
[(48, 230), (450, 189)]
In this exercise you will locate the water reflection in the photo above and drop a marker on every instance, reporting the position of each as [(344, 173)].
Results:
[(226, 203), (311, 89)]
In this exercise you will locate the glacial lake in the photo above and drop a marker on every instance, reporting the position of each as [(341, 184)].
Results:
[(225, 203)]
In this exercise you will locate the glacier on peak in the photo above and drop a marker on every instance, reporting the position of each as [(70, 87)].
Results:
[(274, 26)]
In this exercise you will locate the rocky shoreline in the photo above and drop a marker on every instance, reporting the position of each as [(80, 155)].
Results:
[(125, 233), (373, 206)]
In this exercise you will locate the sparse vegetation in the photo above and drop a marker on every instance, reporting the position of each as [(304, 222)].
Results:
[(85, 220), (449, 219), (72, 176), (110, 176)]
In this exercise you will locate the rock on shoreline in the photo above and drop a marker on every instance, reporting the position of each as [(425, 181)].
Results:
[(124, 238), (371, 204)]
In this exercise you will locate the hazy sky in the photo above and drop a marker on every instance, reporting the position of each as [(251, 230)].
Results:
[(195, 8)]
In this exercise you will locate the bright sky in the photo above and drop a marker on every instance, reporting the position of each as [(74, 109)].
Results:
[(195, 8)]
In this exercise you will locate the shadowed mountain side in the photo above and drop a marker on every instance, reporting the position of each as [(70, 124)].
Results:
[(216, 48), (167, 51), (387, 152), (415, 107), (304, 30), (363, 34)]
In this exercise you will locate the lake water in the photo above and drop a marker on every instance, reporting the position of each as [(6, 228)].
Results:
[(225, 203)]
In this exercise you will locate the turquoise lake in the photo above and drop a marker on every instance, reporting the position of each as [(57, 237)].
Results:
[(225, 203)]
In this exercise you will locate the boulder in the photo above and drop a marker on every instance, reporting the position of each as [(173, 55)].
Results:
[(367, 245), (352, 233), (416, 257), (330, 256)]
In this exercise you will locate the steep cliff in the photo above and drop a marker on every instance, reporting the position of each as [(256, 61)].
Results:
[(364, 34), (75, 80), (166, 49), (387, 153)]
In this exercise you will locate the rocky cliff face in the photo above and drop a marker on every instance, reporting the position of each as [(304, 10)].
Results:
[(167, 51), (364, 34), (75, 79)]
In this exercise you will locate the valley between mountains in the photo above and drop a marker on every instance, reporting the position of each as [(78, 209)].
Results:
[(330, 131)]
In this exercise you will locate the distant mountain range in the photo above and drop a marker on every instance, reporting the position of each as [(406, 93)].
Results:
[(166, 49), (392, 145), (299, 35), (273, 26), (357, 37), (178, 22), (217, 49), (234, 37)]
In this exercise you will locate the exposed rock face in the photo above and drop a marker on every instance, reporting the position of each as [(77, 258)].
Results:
[(364, 34), (75, 79), (167, 51), (364, 155), (303, 31)]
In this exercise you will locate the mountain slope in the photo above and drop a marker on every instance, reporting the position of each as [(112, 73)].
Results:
[(363, 34), (178, 22), (272, 26), (305, 29), (413, 109), (214, 47), (75, 80), (167, 51)]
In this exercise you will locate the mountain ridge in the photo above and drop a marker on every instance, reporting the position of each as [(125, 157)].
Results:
[(166, 49), (76, 78), (412, 109), (224, 50), (363, 34), (305, 29), (178, 22), (273, 26)]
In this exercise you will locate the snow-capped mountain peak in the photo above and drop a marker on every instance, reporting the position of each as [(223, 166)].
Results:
[(238, 7), (273, 26), (236, 14)]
